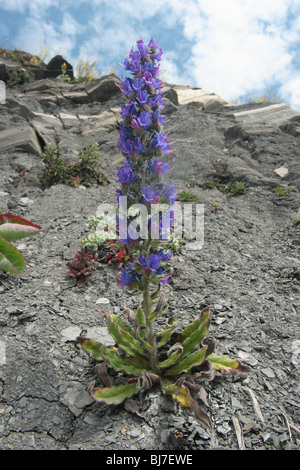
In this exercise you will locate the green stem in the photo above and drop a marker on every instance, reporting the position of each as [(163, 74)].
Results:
[(151, 337)]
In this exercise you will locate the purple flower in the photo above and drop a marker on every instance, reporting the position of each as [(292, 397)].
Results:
[(125, 175), (142, 96), (154, 262), (158, 167), (148, 78), (124, 278), (127, 110), (135, 66), (152, 44), (157, 55), (143, 261), (126, 86), (167, 193), (164, 256), (138, 83), (150, 196), (125, 146), (142, 48), (161, 141), (144, 119), (138, 145)]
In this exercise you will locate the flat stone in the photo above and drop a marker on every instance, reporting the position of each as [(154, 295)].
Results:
[(97, 123), (104, 88), (100, 334), (282, 171), (79, 97), (70, 333), (2, 353), (75, 397), (70, 121), (22, 137), (205, 99)]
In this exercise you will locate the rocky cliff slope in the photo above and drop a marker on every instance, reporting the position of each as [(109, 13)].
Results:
[(248, 271)]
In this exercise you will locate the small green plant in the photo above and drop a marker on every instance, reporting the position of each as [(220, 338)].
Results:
[(64, 76), (89, 162), (296, 219), (84, 171), (19, 77), (282, 192), (187, 196), (235, 189), (220, 171), (13, 228), (55, 170), (220, 178)]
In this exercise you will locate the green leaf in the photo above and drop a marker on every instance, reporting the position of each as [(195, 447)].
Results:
[(194, 339), (140, 316), (11, 260), (91, 346), (170, 361), (124, 336), (204, 316), (187, 363), (224, 362), (167, 332), (111, 357), (114, 395)]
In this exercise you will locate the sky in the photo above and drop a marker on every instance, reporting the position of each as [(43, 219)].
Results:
[(234, 48)]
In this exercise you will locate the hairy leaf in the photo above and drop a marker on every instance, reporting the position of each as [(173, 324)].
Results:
[(224, 362), (140, 316), (194, 339), (114, 395), (167, 332), (198, 412), (111, 357), (171, 359), (192, 327), (124, 336), (187, 363), (91, 346)]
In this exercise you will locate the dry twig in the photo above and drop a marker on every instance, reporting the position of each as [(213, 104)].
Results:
[(239, 433), (256, 406)]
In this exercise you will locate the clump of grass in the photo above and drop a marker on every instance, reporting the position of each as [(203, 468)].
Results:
[(85, 171), (220, 178), (282, 192), (187, 196), (19, 77), (296, 219)]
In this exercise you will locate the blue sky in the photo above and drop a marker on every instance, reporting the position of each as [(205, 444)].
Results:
[(234, 48)]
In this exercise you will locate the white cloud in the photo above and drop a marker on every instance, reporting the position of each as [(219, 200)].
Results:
[(229, 47), (239, 45)]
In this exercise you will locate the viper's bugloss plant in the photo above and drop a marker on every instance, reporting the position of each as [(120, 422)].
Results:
[(148, 354)]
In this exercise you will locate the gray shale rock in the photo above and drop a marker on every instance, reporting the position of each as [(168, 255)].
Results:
[(246, 272)]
